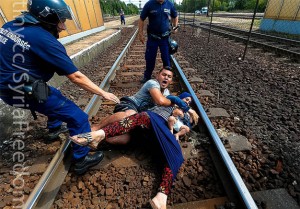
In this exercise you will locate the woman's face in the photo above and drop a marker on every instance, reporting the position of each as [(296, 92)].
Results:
[(61, 26), (187, 100)]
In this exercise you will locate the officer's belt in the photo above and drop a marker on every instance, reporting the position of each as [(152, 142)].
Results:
[(159, 37)]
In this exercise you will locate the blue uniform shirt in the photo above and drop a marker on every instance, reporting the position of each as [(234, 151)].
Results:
[(30, 50), (159, 16)]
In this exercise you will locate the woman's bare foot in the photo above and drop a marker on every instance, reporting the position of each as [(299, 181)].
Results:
[(160, 201), (91, 139)]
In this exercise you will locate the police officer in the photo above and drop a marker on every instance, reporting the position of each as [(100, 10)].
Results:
[(159, 13), (122, 16), (30, 54)]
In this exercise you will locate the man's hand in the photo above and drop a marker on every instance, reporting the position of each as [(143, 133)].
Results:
[(175, 29), (194, 115), (110, 97), (142, 38)]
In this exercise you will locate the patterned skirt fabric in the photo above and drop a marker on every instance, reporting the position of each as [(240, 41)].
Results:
[(127, 124), (166, 140)]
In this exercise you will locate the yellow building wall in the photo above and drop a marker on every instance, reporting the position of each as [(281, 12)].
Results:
[(87, 12), (283, 10)]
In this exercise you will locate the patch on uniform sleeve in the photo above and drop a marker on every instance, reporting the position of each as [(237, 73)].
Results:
[(167, 10)]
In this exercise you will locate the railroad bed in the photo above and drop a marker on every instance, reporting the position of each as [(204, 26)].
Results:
[(110, 188)]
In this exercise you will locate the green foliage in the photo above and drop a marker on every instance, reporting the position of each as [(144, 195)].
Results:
[(221, 5), (113, 7)]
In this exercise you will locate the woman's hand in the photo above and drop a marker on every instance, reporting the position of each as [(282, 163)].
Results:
[(194, 115)]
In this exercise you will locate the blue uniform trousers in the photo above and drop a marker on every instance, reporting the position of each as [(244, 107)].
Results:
[(151, 52), (59, 109)]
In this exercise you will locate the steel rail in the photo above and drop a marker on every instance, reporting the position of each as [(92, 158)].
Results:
[(279, 50), (62, 153), (245, 195), (257, 34), (231, 15), (96, 99)]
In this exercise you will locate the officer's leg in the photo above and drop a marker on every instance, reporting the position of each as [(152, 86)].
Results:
[(57, 106), (150, 56), (62, 109), (55, 128), (164, 50)]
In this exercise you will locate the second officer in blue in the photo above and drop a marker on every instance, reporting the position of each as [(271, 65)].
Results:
[(160, 13)]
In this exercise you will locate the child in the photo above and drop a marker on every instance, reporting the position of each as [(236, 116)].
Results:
[(179, 121)]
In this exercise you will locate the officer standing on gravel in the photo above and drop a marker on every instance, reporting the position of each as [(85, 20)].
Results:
[(30, 54), (159, 13)]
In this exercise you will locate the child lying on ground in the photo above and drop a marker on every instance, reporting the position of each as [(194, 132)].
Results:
[(179, 121)]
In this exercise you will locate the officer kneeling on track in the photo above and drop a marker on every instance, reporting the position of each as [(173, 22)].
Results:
[(30, 54)]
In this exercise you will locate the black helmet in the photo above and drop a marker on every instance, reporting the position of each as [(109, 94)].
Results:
[(173, 46), (49, 11)]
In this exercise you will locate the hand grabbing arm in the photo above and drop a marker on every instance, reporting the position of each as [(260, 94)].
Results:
[(181, 104), (84, 82)]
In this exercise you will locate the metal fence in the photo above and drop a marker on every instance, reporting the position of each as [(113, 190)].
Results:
[(281, 19)]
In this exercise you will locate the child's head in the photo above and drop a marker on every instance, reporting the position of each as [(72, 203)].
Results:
[(186, 97)]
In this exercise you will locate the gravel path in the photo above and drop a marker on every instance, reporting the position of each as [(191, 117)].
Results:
[(263, 92)]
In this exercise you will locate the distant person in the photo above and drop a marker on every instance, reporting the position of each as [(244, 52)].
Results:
[(160, 14), (122, 16)]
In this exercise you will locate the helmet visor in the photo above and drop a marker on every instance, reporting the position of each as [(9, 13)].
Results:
[(67, 17)]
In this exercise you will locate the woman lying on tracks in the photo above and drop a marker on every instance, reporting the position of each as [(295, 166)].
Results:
[(154, 120)]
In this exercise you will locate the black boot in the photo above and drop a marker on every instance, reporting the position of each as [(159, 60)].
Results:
[(54, 133), (88, 161)]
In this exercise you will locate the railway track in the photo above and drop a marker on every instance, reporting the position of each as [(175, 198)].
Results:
[(110, 184), (123, 77), (228, 15), (275, 44)]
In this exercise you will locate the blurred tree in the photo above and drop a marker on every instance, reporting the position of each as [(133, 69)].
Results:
[(113, 7)]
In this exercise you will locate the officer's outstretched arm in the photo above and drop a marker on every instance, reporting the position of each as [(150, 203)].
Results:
[(84, 82)]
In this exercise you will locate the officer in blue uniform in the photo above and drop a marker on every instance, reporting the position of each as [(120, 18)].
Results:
[(30, 54), (160, 13)]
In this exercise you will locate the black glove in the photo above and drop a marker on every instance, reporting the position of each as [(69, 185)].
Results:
[(181, 104)]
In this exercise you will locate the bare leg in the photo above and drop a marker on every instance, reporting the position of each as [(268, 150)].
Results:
[(183, 130), (119, 140), (171, 122)]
